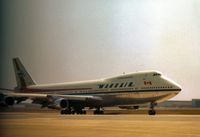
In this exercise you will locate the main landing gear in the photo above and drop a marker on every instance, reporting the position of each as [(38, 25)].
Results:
[(152, 111), (74, 111), (98, 111)]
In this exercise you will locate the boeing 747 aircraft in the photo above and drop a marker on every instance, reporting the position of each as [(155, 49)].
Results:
[(132, 89)]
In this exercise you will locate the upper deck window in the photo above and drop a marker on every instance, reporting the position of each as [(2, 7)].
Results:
[(156, 74)]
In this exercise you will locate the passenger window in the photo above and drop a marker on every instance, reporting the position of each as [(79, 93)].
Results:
[(116, 85)]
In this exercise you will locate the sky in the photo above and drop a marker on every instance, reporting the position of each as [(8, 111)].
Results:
[(75, 40)]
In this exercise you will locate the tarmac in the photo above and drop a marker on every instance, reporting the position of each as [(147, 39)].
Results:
[(45, 124)]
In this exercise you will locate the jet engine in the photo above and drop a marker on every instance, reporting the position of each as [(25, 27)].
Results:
[(9, 101), (1, 97), (61, 103)]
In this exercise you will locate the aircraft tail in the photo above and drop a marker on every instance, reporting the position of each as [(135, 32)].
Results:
[(23, 78)]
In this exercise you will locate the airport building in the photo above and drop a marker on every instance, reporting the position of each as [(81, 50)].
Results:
[(196, 102), (180, 104)]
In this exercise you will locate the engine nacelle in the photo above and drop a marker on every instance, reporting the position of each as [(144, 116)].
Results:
[(61, 103), (9, 101), (136, 107), (1, 97)]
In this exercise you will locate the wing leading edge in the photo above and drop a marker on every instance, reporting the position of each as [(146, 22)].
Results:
[(46, 99)]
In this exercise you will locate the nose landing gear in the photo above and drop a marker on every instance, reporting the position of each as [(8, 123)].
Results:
[(152, 111)]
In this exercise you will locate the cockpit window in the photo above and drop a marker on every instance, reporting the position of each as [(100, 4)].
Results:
[(156, 74)]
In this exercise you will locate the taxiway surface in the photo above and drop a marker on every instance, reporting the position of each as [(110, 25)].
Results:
[(24, 124)]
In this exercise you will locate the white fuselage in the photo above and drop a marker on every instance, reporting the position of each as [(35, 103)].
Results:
[(128, 89)]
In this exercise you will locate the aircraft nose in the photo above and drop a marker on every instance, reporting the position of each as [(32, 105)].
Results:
[(176, 86)]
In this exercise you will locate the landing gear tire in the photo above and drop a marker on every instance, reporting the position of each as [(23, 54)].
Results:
[(98, 112), (72, 111), (84, 112), (101, 112), (62, 112), (65, 111), (152, 112), (81, 112)]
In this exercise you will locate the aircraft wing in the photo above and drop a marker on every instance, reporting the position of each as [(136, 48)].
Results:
[(46, 99), (68, 97)]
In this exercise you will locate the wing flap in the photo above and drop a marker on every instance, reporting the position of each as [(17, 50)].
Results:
[(75, 97)]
